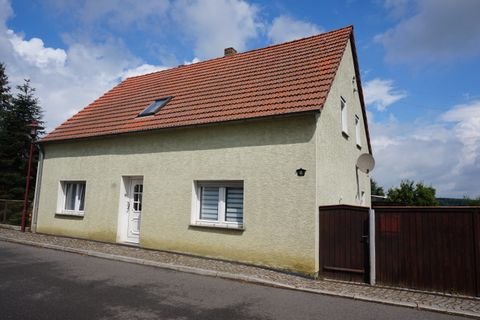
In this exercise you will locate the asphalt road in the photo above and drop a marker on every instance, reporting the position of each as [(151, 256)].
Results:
[(47, 284)]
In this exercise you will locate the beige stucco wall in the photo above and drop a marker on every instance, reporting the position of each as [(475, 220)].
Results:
[(279, 206), (337, 154)]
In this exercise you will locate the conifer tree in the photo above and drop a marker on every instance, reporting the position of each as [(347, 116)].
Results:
[(5, 108), (15, 139)]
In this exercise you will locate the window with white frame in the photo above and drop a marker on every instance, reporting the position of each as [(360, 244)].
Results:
[(218, 204), (72, 198), (344, 115), (358, 131)]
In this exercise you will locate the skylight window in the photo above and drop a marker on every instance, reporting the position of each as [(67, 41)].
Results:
[(154, 107)]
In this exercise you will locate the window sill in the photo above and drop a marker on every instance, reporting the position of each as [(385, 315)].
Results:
[(217, 226), (70, 214)]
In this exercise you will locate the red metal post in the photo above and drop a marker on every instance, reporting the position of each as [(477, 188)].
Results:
[(27, 188)]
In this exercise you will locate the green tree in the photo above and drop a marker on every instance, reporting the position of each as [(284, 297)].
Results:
[(15, 141), (5, 108), (414, 194), (376, 189), (472, 202)]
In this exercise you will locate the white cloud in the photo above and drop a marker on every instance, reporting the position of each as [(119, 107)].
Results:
[(381, 93), (148, 68), (85, 76), (440, 30), (426, 150), (34, 51), (66, 79), (397, 8), (285, 28), (206, 26), (213, 25), (467, 129), (5, 10), (142, 69), (194, 60)]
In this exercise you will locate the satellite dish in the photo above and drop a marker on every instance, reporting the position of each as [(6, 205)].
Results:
[(365, 162)]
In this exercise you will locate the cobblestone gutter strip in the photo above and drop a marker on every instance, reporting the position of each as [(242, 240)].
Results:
[(9, 226), (462, 306)]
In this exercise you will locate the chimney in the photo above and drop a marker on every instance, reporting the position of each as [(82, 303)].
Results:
[(230, 51)]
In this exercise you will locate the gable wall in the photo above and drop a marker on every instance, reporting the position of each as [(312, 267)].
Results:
[(337, 154)]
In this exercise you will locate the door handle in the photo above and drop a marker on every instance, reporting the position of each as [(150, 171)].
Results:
[(365, 239)]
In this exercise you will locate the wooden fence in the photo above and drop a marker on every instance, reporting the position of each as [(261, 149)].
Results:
[(343, 245), (429, 248)]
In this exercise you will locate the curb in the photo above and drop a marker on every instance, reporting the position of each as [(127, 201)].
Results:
[(243, 278)]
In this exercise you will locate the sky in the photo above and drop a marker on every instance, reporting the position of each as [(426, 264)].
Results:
[(419, 63)]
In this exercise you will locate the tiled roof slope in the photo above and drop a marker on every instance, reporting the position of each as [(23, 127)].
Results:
[(287, 78)]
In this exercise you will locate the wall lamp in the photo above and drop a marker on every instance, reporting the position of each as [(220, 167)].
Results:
[(301, 172)]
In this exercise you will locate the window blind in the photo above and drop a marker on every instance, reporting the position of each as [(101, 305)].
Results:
[(234, 205), (209, 203)]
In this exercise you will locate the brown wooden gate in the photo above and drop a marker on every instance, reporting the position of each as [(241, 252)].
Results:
[(343, 245), (429, 248)]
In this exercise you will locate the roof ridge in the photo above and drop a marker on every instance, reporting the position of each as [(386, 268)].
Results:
[(295, 40), (242, 53)]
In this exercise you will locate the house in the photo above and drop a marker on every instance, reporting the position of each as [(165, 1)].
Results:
[(227, 158)]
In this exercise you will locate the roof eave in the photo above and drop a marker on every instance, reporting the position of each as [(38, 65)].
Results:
[(360, 90), (144, 131)]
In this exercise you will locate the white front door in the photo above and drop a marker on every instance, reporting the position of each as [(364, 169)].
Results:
[(134, 209)]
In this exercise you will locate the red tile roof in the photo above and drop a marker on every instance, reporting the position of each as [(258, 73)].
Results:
[(281, 79)]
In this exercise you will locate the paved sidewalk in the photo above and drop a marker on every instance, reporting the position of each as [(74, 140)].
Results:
[(426, 301)]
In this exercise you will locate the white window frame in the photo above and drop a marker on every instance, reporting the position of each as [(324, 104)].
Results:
[(221, 222), (344, 115), (358, 134), (62, 198)]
